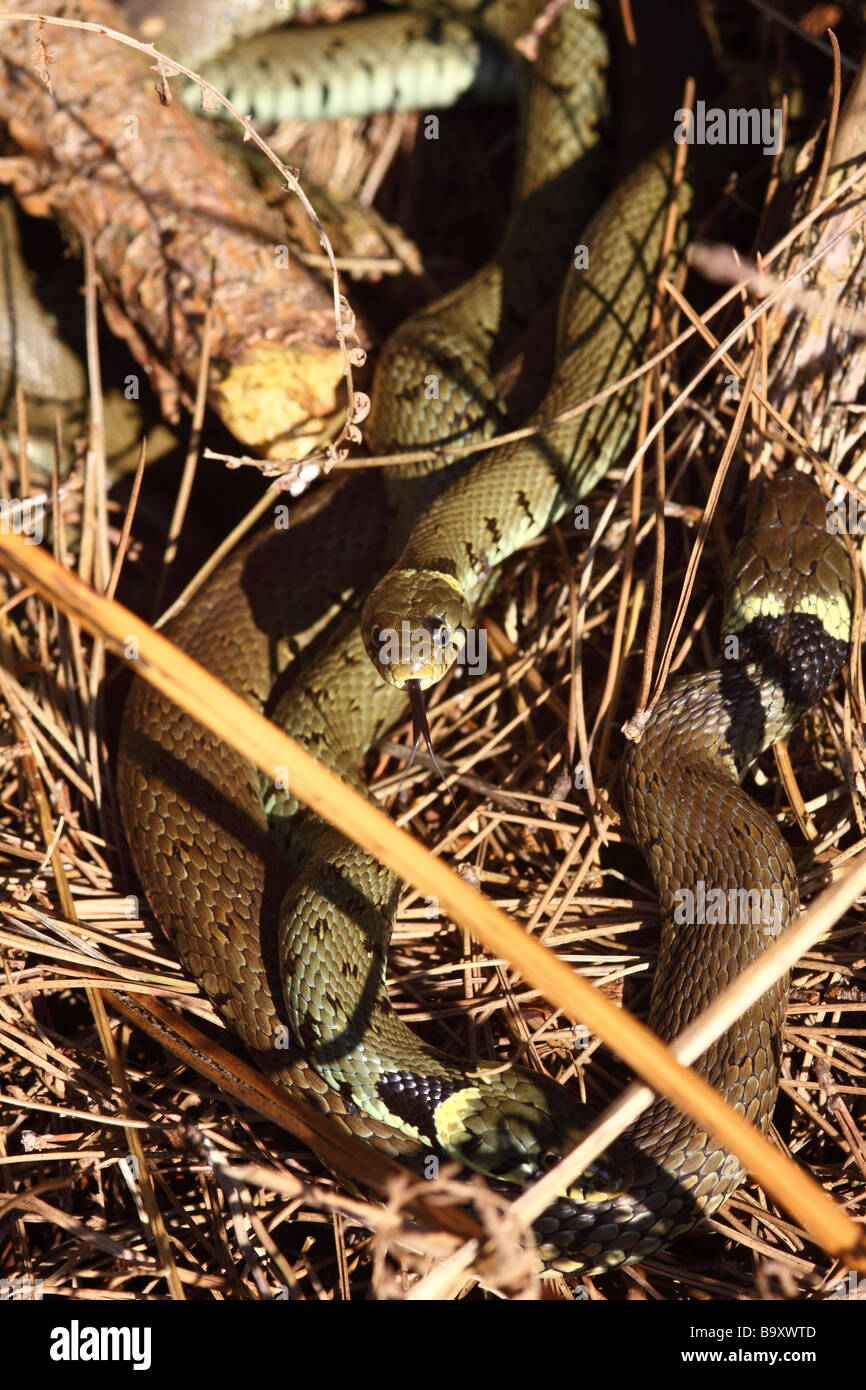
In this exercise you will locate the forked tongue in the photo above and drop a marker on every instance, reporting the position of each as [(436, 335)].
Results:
[(421, 729)]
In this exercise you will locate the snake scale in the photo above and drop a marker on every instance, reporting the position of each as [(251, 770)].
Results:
[(285, 924)]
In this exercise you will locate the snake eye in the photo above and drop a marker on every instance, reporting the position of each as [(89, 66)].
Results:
[(438, 629), (549, 1159), (376, 637)]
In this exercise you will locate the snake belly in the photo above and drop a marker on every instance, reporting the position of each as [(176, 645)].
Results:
[(285, 924)]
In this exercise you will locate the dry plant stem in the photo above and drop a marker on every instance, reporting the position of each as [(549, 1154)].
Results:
[(797, 440), (445, 1280), (809, 928), (256, 512), (21, 421), (96, 1002), (628, 22), (129, 517), (773, 292), (698, 547), (219, 709), (830, 135), (250, 1087), (96, 476), (652, 387), (848, 139), (655, 617), (30, 1202), (718, 263), (719, 354), (791, 788), (95, 521), (189, 466), (607, 713), (651, 390), (786, 22), (323, 496), (576, 702)]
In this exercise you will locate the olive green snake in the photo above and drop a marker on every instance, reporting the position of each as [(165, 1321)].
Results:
[(285, 924)]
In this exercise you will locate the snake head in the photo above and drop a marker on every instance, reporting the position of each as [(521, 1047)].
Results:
[(414, 625), (514, 1126)]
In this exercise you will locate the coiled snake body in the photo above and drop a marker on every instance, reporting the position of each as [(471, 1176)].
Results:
[(285, 924)]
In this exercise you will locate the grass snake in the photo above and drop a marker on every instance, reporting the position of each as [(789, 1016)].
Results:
[(284, 923)]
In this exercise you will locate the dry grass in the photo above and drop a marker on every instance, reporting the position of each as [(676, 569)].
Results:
[(129, 1175)]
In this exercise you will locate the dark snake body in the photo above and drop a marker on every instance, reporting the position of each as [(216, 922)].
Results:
[(285, 924)]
